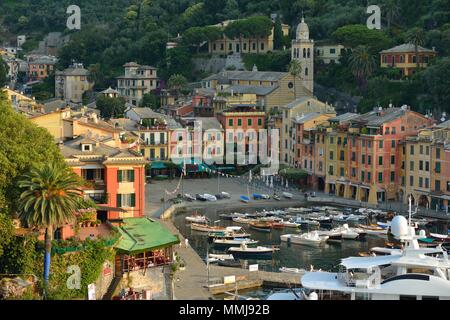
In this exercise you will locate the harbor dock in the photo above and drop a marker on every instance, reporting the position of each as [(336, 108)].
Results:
[(197, 282)]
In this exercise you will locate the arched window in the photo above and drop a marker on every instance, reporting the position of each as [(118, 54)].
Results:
[(309, 53), (306, 71), (304, 52)]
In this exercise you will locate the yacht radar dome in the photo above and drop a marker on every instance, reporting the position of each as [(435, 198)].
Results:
[(399, 227)]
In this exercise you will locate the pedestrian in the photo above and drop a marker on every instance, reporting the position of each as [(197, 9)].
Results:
[(186, 242)]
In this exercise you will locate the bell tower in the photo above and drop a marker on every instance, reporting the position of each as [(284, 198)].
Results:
[(303, 51)]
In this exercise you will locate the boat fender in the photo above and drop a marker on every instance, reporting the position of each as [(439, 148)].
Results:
[(313, 296)]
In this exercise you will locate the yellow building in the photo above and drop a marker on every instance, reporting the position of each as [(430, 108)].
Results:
[(228, 100), (289, 112), (56, 123), (272, 89), (18, 99), (226, 45)]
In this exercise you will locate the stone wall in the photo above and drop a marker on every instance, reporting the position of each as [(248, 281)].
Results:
[(104, 281), (155, 280)]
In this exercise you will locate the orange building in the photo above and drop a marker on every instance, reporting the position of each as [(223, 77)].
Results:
[(242, 124), (115, 178), (40, 68), (403, 57)]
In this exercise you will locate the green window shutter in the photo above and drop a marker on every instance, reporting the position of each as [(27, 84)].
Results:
[(133, 200), (119, 176), (119, 200), (131, 176)]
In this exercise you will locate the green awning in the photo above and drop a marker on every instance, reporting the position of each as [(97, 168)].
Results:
[(158, 165), (144, 234)]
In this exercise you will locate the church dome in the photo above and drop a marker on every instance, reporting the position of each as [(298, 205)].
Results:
[(302, 30)]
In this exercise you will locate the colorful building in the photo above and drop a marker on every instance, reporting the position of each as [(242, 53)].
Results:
[(242, 125), (304, 136), (272, 89), (290, 111), (115, 177), (40, 67), (225, 45), (403, 58)]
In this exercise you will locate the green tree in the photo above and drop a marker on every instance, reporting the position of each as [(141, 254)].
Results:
[(295, 69), (436, 82), (3, 72), (110, 107), (150, 100), (355, 35), (51, 195), (416, 36), (177, 82), (6, 232), (22, 145), (278, 34), (362, 64), (391, 10)]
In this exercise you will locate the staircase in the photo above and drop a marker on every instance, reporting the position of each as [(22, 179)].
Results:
[(112, 287)]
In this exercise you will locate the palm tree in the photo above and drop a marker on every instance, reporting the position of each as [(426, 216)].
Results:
[(51, 195), (392, 10), (362, 64), (416, 36), (295, 69)]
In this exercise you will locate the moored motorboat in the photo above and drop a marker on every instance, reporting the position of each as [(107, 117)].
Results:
[(244, 199), (276, 197), (221, 256), (230, 263), (189, 197), (310, 239), (207, 228), (288, 195), (291, 270), (261, 226), (234, 242), (259, 252), (197, 219), (243, 220)]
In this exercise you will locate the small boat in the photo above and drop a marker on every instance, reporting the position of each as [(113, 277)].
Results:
[(351, 233), (200, 197), (257, 196), (234, 242), (374, 230), (440, 237), (288, 195), (276, 197), (290, 224), (230, 216), (306, 223), (261, 226), (209, 197), (291, 270), (259, 252), (221, 256), (189, 197), (226, 195), (265, 196), (243, 220), (290, 295), (277, 225), (197, 219), (310, 239), (207, 228), (230, 263), (299, 210), (244, 199)]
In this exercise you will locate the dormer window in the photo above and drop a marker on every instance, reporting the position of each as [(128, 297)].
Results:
[(86, 147)]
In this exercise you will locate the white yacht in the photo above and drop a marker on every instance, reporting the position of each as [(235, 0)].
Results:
[(414, 273)]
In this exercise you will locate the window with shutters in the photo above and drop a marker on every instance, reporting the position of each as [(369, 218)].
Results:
[(126, 200), (125, 176)]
